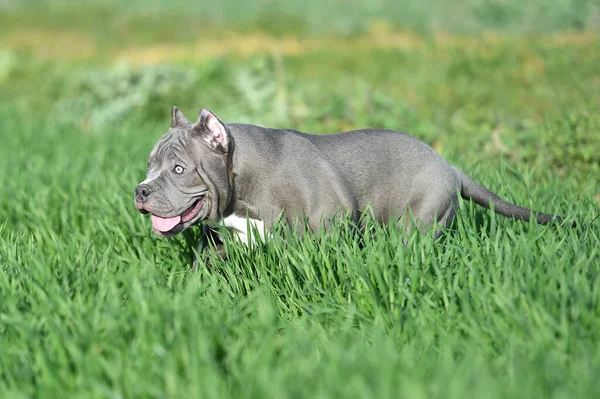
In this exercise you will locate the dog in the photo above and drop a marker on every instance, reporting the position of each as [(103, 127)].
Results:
[(247, 177)]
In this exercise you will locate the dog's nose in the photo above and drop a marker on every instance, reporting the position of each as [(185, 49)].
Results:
[(142, 192)]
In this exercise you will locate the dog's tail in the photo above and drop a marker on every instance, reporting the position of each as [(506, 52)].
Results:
[(484, 197)]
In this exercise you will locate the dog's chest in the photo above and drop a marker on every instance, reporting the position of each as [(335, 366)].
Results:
[(245, 228)]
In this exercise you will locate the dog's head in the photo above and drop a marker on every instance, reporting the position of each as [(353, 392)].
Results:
[(187, 179)]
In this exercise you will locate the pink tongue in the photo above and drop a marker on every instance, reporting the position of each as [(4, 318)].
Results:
[(165, 224)]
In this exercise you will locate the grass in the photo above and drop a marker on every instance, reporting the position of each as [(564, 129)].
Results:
[(149, 21), (93, 305)]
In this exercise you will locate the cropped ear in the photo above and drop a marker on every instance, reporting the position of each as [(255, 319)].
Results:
[(177, 118), (212, 131)]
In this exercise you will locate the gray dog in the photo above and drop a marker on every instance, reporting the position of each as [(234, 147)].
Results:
[(245, 176)]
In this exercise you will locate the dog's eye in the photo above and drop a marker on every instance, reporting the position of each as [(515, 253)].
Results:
[(178, 169)]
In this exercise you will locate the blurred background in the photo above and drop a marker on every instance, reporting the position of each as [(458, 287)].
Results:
[(509, 79)]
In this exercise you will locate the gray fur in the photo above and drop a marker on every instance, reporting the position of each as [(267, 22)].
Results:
[(260, 173)]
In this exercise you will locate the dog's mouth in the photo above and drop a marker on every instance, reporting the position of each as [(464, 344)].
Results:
[(166, 225)]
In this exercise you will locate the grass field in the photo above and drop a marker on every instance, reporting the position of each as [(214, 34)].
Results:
[(93, 305)]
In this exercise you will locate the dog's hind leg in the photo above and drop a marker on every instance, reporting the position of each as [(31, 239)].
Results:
[(446, 218), (435, 210)]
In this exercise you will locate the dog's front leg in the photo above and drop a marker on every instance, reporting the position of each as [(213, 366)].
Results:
[(209, 238)]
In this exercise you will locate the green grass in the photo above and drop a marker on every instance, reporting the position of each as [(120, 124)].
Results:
[(92, 304), (182, 20)]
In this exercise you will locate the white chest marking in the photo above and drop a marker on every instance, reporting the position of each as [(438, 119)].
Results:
[(245, 228)]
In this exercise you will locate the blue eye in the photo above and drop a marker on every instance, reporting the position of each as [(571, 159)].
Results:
[(178, 169)]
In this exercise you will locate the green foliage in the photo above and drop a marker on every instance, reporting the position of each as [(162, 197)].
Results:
[(91, 303), (104, 98), (178, 19), (8, 63)]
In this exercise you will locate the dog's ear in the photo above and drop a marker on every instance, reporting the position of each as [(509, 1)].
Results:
[(177, 118), (212, 131)]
